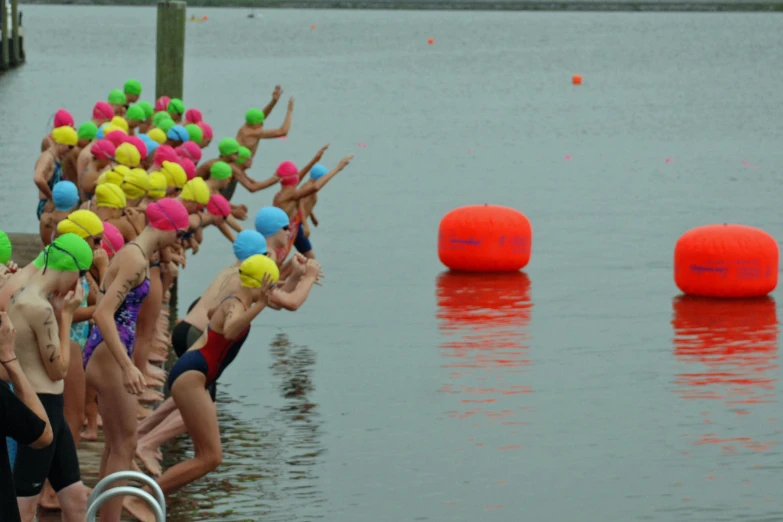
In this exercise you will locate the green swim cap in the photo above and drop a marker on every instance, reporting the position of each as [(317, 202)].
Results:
[(5, 248), (176, 106), (254, 116), (135, 113), (117, 97), (194, 132), (228, 146), (87, 131), (244, 154), (159, 117), (133, 87), (68, 253), (147, 107), (220, 170), (165, 125), (38, 262)]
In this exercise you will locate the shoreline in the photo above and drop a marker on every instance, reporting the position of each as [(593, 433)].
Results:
[(436, 5)]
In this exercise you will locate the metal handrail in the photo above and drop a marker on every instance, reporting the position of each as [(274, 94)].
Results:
[(159, 498), (124, 491)]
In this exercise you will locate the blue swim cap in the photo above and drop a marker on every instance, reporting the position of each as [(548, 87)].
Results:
[(99, 135), (65, 195), (149, 142), (270, 220), (249, 243), (317, 171), (179, 133)]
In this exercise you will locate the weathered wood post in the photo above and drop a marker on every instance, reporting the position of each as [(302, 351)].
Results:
[(5, 56), (16, 48)]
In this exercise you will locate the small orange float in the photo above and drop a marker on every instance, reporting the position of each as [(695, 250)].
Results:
[(576, 79), (485, 238), (726, 261)]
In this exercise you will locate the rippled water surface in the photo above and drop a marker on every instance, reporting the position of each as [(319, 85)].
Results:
[(581, 389)]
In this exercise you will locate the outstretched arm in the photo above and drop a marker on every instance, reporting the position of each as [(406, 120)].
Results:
[(316, 185), (275, 98), (252, 185), (293, 300), (282, 131), (316, 159)]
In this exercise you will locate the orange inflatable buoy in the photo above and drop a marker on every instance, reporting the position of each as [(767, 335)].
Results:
[(576, 79), (430, 41), (485, 238), (726, 261)]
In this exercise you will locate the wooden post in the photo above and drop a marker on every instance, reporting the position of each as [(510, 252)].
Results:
[(170, 62), (5, 61), (16, 48)]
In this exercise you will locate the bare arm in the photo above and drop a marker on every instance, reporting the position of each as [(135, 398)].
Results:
[(252, 185), (271, 105), (203, 170), (316, 159), (293, 300), (226, 230), (54, 346), (44, 169), (127, 277), (237, 319), (315, 186), (282, 131)]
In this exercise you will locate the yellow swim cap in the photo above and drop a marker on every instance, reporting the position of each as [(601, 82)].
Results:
[(112, 177), (135, 184), (65, 136), (254, 268), (175, 174), (158, 186), (111, 128), (128, 155), (110, 196), (157, 135), (196, 190), (83, 223), (119, 121), (123, 171)]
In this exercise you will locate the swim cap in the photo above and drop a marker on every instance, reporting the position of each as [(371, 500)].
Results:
[(166, 125), (249, 243), (220, 170), (112, 239), (289, 181), (128, 155), (117, 97), (206, 130), (254, 116), (135, 113), (228, 146), (254, 268), (269, 220), (157, 135), (317, 171), (99, 134), (5, 248), (193, 116), (83, 223), (167, 214), (189, 150), (109, 195), (188, 166), (68, 253), (147, 108), (120, 122), (158, 186), (219, 206), (161, 103), (116, 136), (175, 174), (286, 169), (194, 132), (244, 154), (175, 106), (165, 153), (139, 144), (87, 131), (178, 133), (111, 176), (133, 87), (196, 190), (103, 149), (159, 117), (63, 118), (135, 184), (120, 171), (149, 143), (65, 136), (102, 111), (65, 195)]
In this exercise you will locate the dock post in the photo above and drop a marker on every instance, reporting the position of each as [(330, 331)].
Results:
[(17, 56), (5, 57), (170, 58)]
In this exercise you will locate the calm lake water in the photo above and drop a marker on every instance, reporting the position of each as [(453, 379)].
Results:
[(583, 389)]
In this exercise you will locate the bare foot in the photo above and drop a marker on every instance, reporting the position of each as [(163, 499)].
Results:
[(147, 457), (158, 357), (158, 454), (99, 420), (153, 381), (151, 396), (155, 371), (142, 413), (48, 500), (90, 434), (138, 509)]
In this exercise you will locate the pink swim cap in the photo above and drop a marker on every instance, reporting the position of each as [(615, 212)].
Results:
[(219, 206), (140, 145), (112, 239), (103, 111), (165, 153), (116, 137), (290, 181), (286, 169), (193, 116), (188, 166), (189, 150), (206, 130), (162, 103), (103, 149), (167, 214), (63, 118)]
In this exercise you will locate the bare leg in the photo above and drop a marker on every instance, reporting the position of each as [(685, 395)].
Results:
[(159, 415), (145, 327), (148, 445), (74, 394), (48, 498), (27, 507), (91, 411), (73, 499)]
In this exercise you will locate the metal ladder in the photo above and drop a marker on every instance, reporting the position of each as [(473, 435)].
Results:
[(98, 496)]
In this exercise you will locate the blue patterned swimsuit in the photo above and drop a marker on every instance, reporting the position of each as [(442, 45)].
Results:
[(81, 331)]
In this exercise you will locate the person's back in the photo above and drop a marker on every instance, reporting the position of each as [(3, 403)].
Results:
[(219, 288)]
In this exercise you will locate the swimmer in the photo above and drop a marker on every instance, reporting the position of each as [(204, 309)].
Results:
[(132, 90), (44, 352), (176, 109), (152, 146), (66, 197), (206, 133), (118, 102), (135, 117), (176, 136), (110, 207), (62, 118), (228, 149), (109, 350), (189, 150), (244, 162), (219, 177), (308, 203), (48, 168), (146, 125), (86, 134), (195, 196), (102, 113), (253, 130), (100, 157), (175, 174), (195, 133)]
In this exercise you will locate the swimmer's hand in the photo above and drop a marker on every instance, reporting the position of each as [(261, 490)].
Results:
[(320, 153), (277, 93), (100, 258), (133, 380), (239, 212), (291, 104), (266, 289), (345, 161), (313, 269), (7, 335), (73, 299), (300, 264), (12, 267)]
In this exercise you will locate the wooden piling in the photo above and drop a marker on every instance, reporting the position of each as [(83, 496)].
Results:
[(5, 56), (16, 50), (170, 61)]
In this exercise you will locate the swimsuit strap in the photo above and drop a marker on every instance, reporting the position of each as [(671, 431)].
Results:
[(103, 290), (234, 297)]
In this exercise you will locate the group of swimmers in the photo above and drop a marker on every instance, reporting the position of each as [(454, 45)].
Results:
[(123, 198)]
